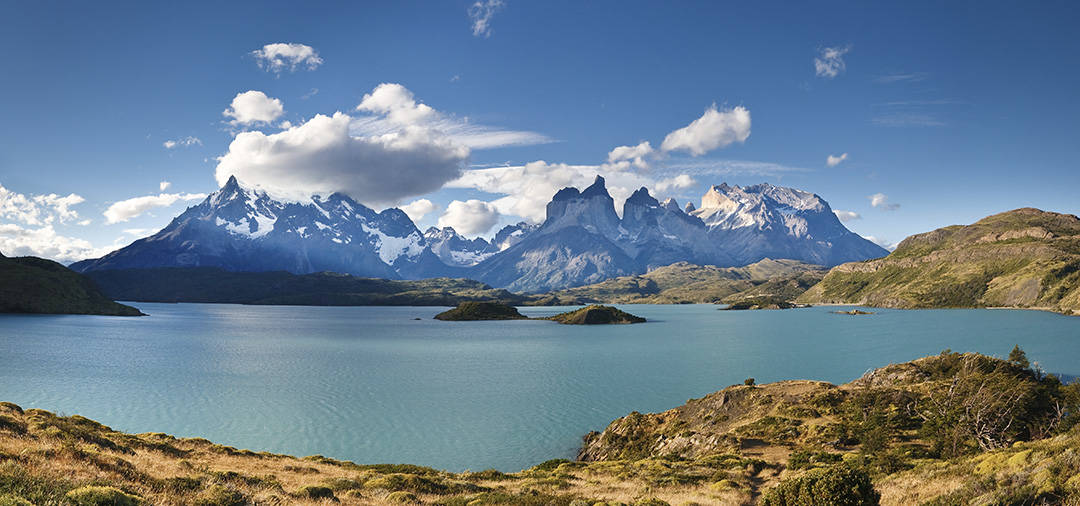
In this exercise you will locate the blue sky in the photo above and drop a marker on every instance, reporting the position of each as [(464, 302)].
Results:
[(952, 111)]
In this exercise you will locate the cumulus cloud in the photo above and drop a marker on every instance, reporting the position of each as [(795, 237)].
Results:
[(46, 243), (321, 155), (38, 209), (125, 210), (881, 201), (397, 104), (390, 106), (625, 157), (164, 185), (830, 61), (674, 184), (714, 129), (182, 142), (833, 161), (417, 209), (253, 107), (527, 189), (470, 218), (480, 13), (280, 57), (846, 216)]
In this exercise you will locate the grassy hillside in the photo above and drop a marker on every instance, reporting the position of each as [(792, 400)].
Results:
[(906, 434), (476, 311), (688, 283), (596, 315), (1024, 258), (207, 284), (36, 285)]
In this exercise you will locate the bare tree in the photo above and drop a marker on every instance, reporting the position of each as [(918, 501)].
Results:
[(976, 404)]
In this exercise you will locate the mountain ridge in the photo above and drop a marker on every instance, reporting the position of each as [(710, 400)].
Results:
[(1024, 258), (582, 240)]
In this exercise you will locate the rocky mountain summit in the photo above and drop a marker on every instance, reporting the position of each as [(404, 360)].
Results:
[(244, 228), (582, 240)]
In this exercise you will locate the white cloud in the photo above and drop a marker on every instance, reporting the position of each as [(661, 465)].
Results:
[(182, 142), (38, 209), (470, 218), (908, 119), (527, 189), (125, 210), (830, 61), (280, 57), (480, 13), (140, 232), (674, 184), (913, 77), (880, 200), (397, 104), (714, 129), (719, 167), (417, 209), (880, 241), (625, 157), (164, 185), (391, 106), (253, 107), (321, 155), (46, 243), (833, 161), (846, 216)]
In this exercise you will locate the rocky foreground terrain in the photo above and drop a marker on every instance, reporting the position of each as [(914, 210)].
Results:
[(903, 434)]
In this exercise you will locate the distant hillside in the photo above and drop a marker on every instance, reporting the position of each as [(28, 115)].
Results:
[(1024, 258), (209, 284), (688, 283), (36, 285)]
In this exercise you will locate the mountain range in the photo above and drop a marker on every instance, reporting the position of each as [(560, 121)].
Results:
[(582, 241)]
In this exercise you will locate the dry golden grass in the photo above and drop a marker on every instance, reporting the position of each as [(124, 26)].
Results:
[(44, 456)]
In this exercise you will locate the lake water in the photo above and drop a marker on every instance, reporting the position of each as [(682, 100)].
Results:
[(372, 385)]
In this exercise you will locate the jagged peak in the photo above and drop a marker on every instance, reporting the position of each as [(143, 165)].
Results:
[(597, 188), (689, 208), (671, 205), (568, 193), (641, 197)]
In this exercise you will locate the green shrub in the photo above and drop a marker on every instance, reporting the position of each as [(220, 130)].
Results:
[(805, 459), (403, 497), (315, 492), (93, 495), (550, 465), (840, 485), (220, 495)]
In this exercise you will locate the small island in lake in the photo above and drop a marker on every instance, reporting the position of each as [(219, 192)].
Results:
[(588, 315), (596, 315), (476, 311)]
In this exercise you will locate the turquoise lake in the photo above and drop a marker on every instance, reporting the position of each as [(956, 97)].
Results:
[(373, 385)]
